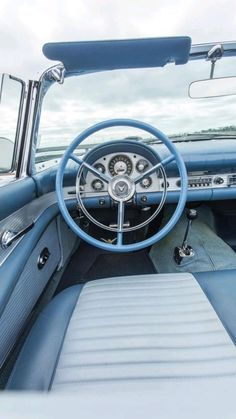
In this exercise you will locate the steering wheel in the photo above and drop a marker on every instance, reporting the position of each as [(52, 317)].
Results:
[(128, 184)]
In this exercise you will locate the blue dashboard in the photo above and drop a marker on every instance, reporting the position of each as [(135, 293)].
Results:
[(212, 156), (211, 167)]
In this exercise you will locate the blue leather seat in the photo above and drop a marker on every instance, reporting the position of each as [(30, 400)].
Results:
[(90, 334)]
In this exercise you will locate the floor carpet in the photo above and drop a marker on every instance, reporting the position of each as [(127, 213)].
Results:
[(89, 263)]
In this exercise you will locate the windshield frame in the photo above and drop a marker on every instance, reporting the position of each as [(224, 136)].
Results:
[(57, 74)]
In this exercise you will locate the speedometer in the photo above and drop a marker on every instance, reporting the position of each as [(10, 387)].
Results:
[(120, 165)]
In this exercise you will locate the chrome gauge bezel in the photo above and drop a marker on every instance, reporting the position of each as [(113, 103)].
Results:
[(124, 158), (147, 186), (100, 165), (144, 162)]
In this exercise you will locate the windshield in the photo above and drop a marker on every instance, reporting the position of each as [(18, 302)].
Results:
[(158, 96)]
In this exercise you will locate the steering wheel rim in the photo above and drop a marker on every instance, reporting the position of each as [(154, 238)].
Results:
[(175, 155)]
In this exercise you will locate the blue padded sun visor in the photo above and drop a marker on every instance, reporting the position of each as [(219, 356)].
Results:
[(92, 56)]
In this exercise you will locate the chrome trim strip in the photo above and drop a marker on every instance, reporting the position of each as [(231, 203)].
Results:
[(200, 51), (27, 128)]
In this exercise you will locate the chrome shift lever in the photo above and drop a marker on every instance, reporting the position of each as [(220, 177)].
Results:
[(186, 251)]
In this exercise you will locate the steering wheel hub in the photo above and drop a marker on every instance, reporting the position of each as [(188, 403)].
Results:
[(121, 188)]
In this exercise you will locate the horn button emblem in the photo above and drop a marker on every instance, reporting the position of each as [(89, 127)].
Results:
[(121, 188)]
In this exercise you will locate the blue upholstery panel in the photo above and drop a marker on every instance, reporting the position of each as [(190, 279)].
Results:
[(220, 289), (45, 180), (15, 195), (36, 364), (115, 54)]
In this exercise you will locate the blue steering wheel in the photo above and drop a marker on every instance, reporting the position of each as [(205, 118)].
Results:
[(119, 246)]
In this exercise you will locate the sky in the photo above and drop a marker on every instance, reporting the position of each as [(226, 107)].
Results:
[(26, 25)]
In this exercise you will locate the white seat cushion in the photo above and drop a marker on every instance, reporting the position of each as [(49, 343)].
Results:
[(141, 329)]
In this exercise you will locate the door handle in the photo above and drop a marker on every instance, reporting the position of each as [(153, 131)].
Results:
[(43, 258), (8, 236)]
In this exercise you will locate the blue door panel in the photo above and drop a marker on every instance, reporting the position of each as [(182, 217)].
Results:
[(13, 266)]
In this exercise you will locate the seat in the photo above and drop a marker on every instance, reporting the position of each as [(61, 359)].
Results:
[(130, 331)]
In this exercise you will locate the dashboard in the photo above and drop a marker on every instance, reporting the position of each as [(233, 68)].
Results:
[(210, 175), (133, 164)]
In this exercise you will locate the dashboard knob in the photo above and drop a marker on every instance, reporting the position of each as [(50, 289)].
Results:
[(97, 184), (218, 180), (141, 167), (167, 184)]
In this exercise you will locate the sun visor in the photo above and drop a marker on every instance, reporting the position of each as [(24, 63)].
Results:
[(92, 56)]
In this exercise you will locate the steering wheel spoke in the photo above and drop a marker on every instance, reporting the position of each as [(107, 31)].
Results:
[(153, 169), (76, 159), (89, 167), (120, 222)]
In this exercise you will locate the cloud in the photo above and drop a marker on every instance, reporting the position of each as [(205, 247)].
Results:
[(27, 25), (158, 96)]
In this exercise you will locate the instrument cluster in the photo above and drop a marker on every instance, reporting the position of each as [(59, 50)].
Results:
[(129, 164)]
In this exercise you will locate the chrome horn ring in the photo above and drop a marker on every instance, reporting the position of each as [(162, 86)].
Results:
[(119, 199)]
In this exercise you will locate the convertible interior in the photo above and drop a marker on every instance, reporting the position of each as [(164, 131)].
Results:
[(118, 257)]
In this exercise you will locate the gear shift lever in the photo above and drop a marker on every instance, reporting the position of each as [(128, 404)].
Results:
[(185, 251)]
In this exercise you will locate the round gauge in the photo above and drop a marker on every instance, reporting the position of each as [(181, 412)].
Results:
[(97, 184), (120, 165), (142, 165), (100, 167), (146, 182)]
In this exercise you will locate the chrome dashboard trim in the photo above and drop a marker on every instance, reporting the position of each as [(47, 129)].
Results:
[(198, 180)]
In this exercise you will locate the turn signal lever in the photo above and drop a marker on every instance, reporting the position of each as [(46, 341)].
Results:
[(186, 251)]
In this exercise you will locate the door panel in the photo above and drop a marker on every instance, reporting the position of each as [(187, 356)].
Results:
[(21, 280), (14, 258), (28, 288), (25, 202)]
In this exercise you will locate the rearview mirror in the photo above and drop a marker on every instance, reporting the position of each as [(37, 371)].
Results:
[(223, 86)]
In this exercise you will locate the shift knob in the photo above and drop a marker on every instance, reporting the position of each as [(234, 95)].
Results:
[(186, 251), (191, 214)]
